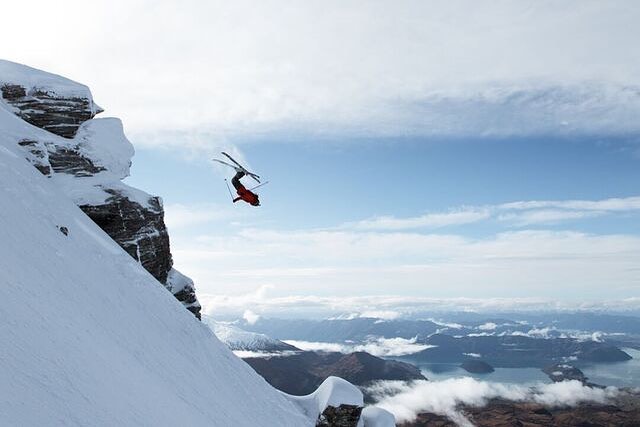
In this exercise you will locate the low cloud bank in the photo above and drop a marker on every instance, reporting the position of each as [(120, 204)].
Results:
[(381, 347), (349, 307), (407, 400)]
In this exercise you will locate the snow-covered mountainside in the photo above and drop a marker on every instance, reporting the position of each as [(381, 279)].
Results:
[(88, 158), (240, 340), (89, 337)]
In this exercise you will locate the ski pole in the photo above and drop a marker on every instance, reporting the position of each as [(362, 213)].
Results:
[(258, 186), (228, 188)]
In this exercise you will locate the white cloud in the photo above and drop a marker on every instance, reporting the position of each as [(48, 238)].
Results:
[(512, 264), (434, 220), (406, 400), (489, 326), (608, 205), (476, 355), (318, 346), (217, 305), (348, 260), (409, 67), (446, 324), (381, 314), (381, 347), (250, 317), (520, 213), (546, 216), (392, 347)]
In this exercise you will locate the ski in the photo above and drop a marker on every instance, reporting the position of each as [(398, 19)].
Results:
[(237, 168), (251, 174)]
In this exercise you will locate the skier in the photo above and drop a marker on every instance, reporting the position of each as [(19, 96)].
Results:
[(243, 194)]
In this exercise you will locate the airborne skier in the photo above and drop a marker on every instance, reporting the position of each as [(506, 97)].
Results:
[(244, 194)]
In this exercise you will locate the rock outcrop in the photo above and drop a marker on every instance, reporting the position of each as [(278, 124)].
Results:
[(88, 158), (563, 372), (48, 110), (337, 403), (477, 367), (340, 416)]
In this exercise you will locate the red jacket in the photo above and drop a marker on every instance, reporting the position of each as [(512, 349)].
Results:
[(248, 196)]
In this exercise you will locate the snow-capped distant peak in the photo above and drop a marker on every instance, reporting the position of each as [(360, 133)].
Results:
[(240, 340)]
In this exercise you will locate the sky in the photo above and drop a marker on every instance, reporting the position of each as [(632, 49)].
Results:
[(485, 154)]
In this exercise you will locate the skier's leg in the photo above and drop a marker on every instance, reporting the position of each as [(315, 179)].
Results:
[(236, 180)]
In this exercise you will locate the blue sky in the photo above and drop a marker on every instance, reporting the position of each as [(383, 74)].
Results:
[(324, 183), (441, 153), (328, 195)]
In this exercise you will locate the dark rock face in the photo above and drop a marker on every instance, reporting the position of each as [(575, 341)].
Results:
[(39, 156), (477, 367), (48, 158), (139, 230), (303, 372), (184, 290), (67, 160), (48, 111), (342, 416)]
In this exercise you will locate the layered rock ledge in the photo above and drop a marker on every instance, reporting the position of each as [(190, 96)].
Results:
[(88, 158)]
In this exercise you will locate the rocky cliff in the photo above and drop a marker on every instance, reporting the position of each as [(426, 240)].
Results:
[(88, 158)]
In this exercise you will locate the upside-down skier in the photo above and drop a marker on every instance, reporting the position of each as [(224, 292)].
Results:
[(244, 194)]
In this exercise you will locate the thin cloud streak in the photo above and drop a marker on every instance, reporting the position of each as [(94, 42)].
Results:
[(521, 213)]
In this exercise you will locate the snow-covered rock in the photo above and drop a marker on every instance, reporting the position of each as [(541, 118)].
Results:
[(89, 338), (335, 402), (88, 159), (240, 340), (339, 403), (45, 100)]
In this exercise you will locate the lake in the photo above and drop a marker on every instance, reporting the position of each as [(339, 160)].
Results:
[(621, 374)]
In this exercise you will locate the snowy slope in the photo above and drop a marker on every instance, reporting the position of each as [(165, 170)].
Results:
[(89, 337)]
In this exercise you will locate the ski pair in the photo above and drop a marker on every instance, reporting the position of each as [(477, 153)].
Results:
[(238, 167)]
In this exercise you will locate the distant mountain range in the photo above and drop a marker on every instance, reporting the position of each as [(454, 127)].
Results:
[(539, 325), (516, 351), (531, 340)]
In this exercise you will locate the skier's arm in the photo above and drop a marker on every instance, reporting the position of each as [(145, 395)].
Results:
[(236, 199)]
